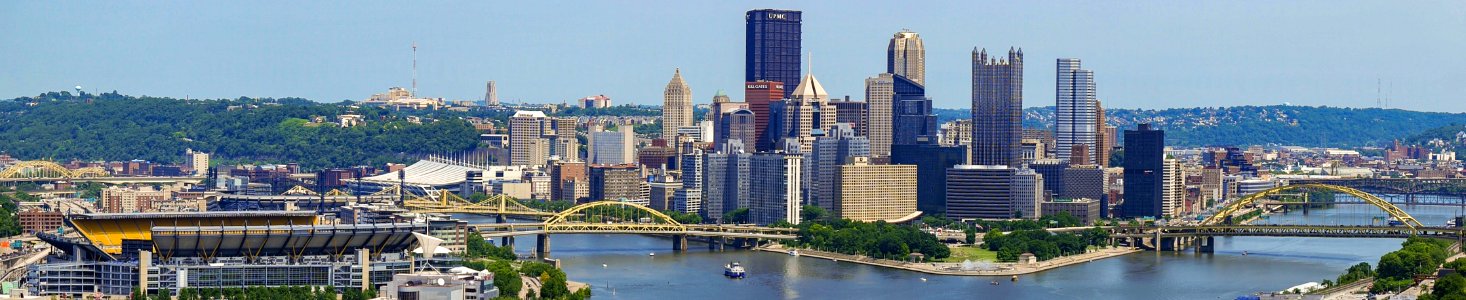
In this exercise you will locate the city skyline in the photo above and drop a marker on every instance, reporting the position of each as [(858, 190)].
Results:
[(234, 50)]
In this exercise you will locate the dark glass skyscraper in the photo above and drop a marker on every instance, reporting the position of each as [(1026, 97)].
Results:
[(997, 109), (1145, 155), (912, 119), (932, 162), (773, 47)]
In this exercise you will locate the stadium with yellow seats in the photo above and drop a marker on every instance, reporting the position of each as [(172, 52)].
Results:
[(113, 253)]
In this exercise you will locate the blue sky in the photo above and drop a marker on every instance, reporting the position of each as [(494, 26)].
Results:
[(1145, 54)]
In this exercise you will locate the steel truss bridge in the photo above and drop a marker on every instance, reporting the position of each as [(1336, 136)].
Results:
[(1201, 235), (448, 202), (1408, 186), (615, 217)]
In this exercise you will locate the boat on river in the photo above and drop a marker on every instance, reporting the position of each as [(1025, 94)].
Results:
[(734, 270)]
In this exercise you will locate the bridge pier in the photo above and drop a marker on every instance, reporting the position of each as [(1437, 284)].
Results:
[(507, 241), (679, 242), (542, 245), (1206, 244), (716, 244), (500, 219)]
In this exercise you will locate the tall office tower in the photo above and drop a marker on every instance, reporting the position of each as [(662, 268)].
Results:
[(984, 192), (997, 108), (612, 147), (774, 194), (527, 145), (563, 139), (737, 126), (617, 183), (1144, 162), (806, 115), (1104, 139), (773, 53), (931, 162), (851, 112), (913, 121), (1027, 193), (831, 152), (869, 193), (566, 173), (725, 182), (720, 100), (1112, 134), (676, 106), (689, 198), (1173, 190), (879, 93), (1053, 172), (761, 96), (1075, 111), (491, 95), (1086, 181), (906, 57)]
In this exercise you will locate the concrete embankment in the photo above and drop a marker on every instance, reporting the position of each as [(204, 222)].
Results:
[(996, 269)]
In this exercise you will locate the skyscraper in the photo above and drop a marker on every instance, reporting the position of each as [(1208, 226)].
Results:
[(853, 113), (905, 56), (774, 192), (931, 162), (1104, 136), (878, 93), (527, 145), (831, 152), (761, 96), (612, 148), (1075, 111), (773, 47), (997, 108), (992, 192), (491, 95), (676, 106), (913, 121), (806, 114), (725, 181), (1145, 152)]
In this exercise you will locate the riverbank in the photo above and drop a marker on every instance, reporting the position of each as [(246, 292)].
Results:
[(960, 269)]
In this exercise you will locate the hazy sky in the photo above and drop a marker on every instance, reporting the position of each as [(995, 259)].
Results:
[(1145, 54)]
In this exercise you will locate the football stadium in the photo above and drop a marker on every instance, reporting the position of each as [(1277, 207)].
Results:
[(114, 253)]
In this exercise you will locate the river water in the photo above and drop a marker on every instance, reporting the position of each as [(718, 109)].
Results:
[(619, 267)]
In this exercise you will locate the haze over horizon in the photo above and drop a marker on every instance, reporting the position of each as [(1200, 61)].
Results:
[(1150, 55)]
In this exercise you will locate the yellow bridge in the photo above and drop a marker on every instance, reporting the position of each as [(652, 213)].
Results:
[(447, 202), (615, 217), (1221, 224), (47, 169)]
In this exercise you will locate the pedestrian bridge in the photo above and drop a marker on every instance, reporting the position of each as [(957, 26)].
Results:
[(615, 217)]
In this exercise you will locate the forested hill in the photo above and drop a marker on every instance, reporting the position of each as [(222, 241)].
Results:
[(1259, 125), (109, 126)]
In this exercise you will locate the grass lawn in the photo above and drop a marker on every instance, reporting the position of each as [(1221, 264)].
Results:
[(971, 253)]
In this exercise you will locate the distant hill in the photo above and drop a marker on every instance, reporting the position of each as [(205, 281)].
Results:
[(109, 126), (1260, 125)]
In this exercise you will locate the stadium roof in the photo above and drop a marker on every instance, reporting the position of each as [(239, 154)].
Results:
[(107, 231), (427, 173), (282, 240)]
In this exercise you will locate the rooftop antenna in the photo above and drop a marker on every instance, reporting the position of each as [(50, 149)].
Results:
[(414, 68)]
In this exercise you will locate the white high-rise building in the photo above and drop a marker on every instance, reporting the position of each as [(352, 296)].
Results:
[(527, 145), (676, 106), (1173, 189), (774, 192), (199, 162), (1075, 114)]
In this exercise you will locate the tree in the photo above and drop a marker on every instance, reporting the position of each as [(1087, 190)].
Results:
[(971, 236), (812, 213), (505, 278), (737, 216), (1453, 284)]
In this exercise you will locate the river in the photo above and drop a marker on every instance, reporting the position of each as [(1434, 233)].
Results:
[(619, 267)]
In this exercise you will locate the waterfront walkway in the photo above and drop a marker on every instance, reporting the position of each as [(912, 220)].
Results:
[(986, 269)]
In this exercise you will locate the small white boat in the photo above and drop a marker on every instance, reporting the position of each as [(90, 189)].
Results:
[(651, 254), (734, 270), (793, 252)]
